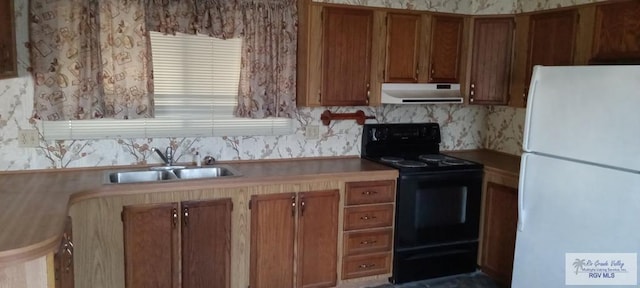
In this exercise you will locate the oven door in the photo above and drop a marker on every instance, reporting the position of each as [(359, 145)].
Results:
[(438, 208)]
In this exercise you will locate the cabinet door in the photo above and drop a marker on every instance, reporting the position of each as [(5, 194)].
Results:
[(63, 259), (7, 40), (151, 245), (499, 234), (318, 239), (206, 243), (617, 32), (272, 239), (346, 57), (403, 32), (552, 38), (446, 42), (491, 61)]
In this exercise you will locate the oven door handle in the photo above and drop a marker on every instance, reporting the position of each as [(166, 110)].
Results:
[(523, 173)]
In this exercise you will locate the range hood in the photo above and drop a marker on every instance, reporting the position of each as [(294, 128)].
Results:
[(422, 93)]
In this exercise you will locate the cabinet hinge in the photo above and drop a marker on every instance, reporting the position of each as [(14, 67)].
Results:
[(249, 204), (122, 216), (231, 206)]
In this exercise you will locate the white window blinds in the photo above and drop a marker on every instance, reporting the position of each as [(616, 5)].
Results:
[(195, 88), (195, 76)]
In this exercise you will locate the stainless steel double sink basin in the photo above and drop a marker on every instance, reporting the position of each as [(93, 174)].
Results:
[(164, 173)]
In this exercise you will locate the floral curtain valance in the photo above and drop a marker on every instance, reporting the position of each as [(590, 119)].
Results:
[(91, 59), (269, 33)]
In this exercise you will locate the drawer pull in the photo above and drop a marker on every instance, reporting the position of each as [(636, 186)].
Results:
[(367, 242), (369, 193), (366, 266), (366, 217)]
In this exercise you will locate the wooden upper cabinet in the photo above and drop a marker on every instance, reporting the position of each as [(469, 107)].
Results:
[(346, 56), (617, 32), (403, 39), (206, 243), (423, 48), (151, 245), (550, 39), (8, 60), (341, 55), (318, 239), (272, 238), (491, 60), (445, 50)]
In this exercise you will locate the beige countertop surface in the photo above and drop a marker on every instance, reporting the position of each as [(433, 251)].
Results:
[(492, 160), (35, 203)]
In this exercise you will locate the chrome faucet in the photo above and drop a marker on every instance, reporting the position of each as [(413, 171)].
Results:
[(167, 157)]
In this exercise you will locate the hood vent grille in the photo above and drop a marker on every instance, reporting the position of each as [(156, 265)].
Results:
[(423, 93)]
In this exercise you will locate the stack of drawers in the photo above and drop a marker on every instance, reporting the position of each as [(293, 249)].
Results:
[(368, 231)]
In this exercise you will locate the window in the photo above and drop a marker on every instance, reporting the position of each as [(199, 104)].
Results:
[(196, 84)]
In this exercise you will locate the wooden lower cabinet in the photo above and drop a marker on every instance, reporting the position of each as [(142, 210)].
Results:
[(274, 236), (499, 232), (151, 244), (206, 243), (63, 259), (367, 228)]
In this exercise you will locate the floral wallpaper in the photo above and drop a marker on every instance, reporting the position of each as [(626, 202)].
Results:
[(451, 6), (463, 126), (528, 5)]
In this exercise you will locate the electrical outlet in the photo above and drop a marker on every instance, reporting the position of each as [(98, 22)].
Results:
[(28, 138), (312, 132)]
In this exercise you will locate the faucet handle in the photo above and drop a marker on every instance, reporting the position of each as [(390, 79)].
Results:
[(169, 154), (208, 160)]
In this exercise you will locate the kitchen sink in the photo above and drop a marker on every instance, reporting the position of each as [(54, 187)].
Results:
[(204, 172), (156, 174), (140, 176)]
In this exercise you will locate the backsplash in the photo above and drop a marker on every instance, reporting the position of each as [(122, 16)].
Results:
[(463, 126)]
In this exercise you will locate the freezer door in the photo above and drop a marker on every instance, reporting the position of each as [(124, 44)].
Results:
[(589, 113), (570, 207)]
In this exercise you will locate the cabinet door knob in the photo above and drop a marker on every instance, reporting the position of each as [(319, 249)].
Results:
[(185, 216), (367, 217), (293, 206), (368, 242), (174, 217)]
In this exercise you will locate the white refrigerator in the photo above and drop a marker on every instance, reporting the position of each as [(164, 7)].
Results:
[(579, 190)]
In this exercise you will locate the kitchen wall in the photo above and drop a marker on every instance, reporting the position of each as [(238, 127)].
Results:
[(463, 127)]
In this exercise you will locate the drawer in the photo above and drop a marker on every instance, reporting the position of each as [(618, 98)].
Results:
[(366, 265), (370, 216), (368, 241), (369, 192)]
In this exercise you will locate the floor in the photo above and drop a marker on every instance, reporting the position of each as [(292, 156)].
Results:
[(474, 280)]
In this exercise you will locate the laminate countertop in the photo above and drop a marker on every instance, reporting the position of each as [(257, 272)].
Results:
[(492, 160), (35, 204)]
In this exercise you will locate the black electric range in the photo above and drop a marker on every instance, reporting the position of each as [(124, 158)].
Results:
[(437, 201)]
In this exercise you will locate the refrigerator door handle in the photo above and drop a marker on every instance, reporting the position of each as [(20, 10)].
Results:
[(523, 172), (527, 121)]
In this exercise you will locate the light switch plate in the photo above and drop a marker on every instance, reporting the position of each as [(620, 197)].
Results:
[(28, 138)]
